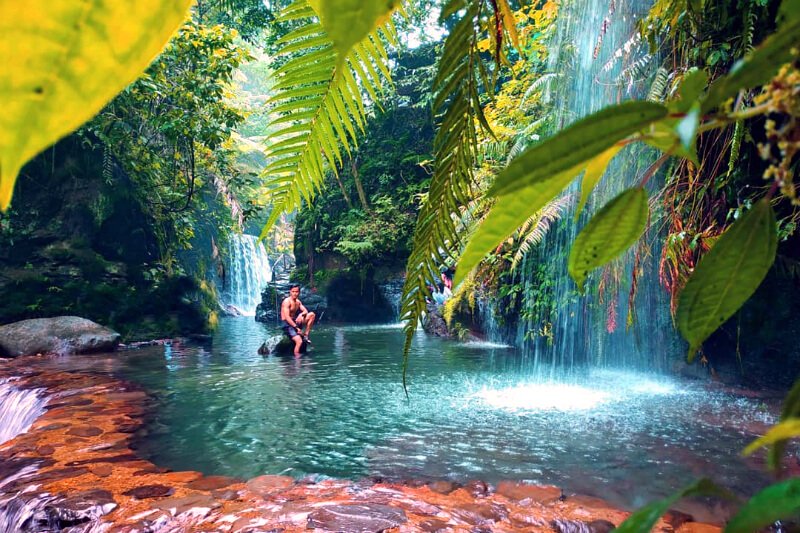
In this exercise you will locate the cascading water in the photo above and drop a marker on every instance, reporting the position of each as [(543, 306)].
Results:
[(19, 408), (623, 321), (248, 272)]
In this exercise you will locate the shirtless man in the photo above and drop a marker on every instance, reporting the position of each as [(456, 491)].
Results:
[(294, 316)]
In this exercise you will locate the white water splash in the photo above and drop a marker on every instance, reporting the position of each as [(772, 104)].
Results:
[(249, 272), (19, 408)]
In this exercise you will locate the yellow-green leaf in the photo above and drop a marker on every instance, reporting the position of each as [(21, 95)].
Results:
[(63, 60), (348, 22), (786, 430), (727, 275), (610, 232), (506, 216), (594, 171), (509, 23)]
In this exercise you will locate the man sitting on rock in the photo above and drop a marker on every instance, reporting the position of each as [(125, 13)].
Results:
[(294, 316)]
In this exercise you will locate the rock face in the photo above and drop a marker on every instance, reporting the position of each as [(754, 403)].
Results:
[(62, 335)]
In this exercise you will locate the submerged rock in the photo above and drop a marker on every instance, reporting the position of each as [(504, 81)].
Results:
[(60, 335), (360, 517)]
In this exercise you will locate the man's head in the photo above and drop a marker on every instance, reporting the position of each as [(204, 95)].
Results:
[(294, 291)]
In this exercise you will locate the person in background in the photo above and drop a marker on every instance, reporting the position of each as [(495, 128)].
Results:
[(295, 317)]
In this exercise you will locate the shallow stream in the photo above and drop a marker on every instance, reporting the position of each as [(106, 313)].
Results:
[(474, 412)]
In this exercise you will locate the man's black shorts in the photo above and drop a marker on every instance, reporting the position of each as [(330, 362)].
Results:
[(290, 330)]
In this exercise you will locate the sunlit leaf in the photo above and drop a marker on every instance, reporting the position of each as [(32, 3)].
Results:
[(574, 146), (791, 410), (609, 233), (758, 67), (787, 429), (776, 502), (594, 171), (63, 61), (348, 22), (693, 84), (727, 275), (506, 216), (509, 23), (687, 131), (644, 520)]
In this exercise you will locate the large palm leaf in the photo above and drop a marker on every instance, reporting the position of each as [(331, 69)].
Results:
[(319, 108)]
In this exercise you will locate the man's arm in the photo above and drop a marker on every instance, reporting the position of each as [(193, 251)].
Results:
[(303, 308)]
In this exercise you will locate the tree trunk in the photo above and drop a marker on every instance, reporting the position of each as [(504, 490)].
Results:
[(361, 195)]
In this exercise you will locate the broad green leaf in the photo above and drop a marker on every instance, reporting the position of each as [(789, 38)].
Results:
[(727, 275), (348, 22), (693, 84), (758, 67), (663, 136), (644, 520), (63, 60), (594, 171), (687, 130), (609, 233), (574, 146), (786, 430), (778, 501), (506, 216), (789, 10)]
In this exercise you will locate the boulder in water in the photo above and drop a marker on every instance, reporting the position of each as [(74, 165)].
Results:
[(280, 345), (60, 335)]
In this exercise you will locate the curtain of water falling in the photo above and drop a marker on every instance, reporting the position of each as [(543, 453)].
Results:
[(600, 61), (248, 273), (19, 408)]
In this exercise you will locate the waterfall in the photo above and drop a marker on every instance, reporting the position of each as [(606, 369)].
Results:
[(599, 60), (19, 408), (248, 272)]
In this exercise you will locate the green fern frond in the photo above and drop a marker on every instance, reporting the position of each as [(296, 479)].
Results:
[(535, 228), (456, 102), (659, 85), (319, 110)]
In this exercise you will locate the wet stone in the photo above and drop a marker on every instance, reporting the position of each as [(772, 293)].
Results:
[(149, 491), (124, 458), (151, 470), (225, 495), (356, 518), (432, 525), (522, 491), (443, 487), (61, 473), (601, 526), (481, 513), (45, 450), (212, 483), (85, 431), (193, 502), (676, 518), (265, 485), (478, 489), (51, 427), (101, 470), (80, 508), (570, 526)]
